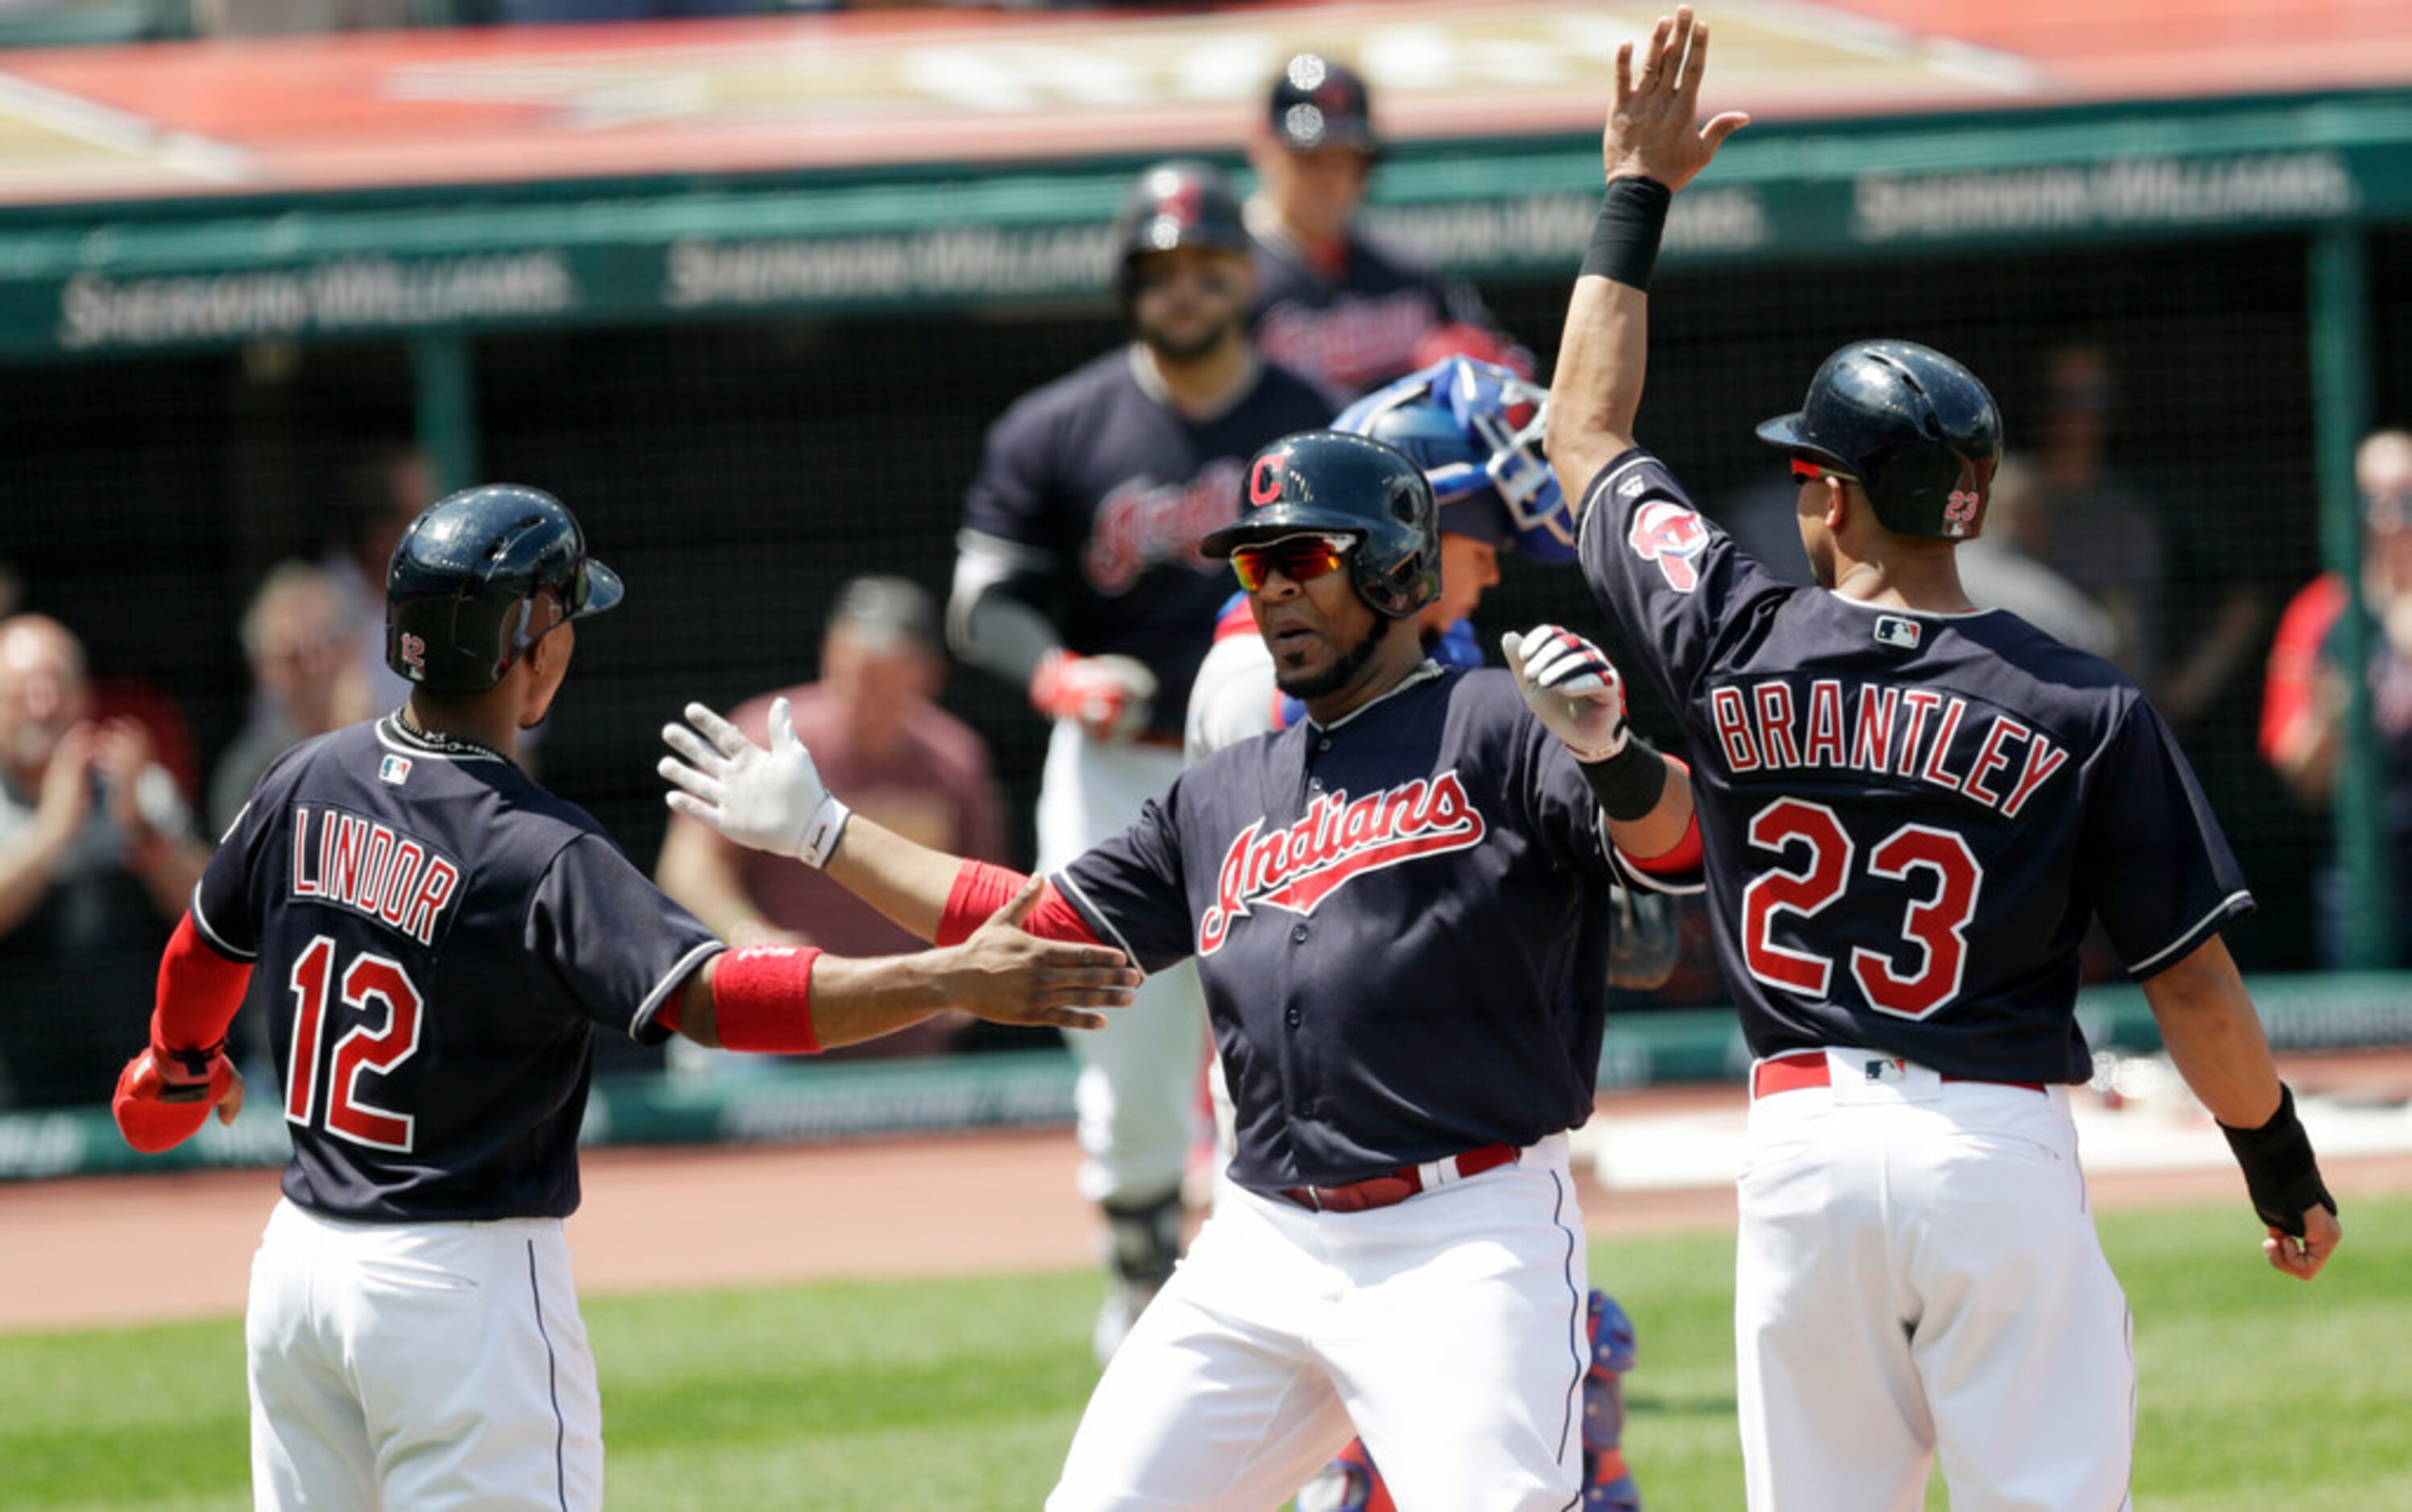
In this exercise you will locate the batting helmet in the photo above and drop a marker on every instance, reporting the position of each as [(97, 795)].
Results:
[(1325, 480), (458, 594), (1916, 429), (1475, 428), (1182, 203)]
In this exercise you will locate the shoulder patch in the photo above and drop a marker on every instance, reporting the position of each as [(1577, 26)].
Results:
[(394, 771), (1671, 535)]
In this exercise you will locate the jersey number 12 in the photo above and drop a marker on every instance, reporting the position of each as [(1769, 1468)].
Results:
[(1932, 927), (367, 983)]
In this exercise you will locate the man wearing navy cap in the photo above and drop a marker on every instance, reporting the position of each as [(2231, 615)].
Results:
[(1348, 311)]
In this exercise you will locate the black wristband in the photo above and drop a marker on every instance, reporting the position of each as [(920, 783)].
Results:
[(2281, 1174), (1627, 783), (1624, 238), (193, 1063)]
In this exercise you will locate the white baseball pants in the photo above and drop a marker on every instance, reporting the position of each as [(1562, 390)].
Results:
[(1137, 1097), (1918, 1274), (419, 1366), (1447, 1329)]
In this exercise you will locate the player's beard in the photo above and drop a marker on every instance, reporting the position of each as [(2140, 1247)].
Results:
[(1171, 349), (1305, 686)]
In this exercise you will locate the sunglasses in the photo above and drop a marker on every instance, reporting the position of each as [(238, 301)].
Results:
[(1809, 470), (1298, 558)]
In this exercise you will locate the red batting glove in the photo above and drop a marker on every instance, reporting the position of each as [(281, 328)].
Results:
[(1109, 697), (165, 1096)]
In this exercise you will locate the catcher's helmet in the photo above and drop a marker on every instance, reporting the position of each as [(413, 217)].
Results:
[(1475, 427), (1325, 480), (457, 595), (1916, 429), (1182, 203)]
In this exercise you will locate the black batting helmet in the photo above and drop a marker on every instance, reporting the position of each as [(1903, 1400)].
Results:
[(1325, 480), (1916, 429), (1182, 203), (458, 594)]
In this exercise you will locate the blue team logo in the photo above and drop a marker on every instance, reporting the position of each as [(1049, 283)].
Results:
[(394, 771), (1671, 535), (1298, 866)]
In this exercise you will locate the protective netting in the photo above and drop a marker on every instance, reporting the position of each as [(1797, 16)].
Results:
[(736, 473)]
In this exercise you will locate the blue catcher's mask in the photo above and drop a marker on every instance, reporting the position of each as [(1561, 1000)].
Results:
[(1475, 430)]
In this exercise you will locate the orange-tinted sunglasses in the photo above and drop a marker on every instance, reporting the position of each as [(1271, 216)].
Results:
[(1298, 558), (1809, 470)]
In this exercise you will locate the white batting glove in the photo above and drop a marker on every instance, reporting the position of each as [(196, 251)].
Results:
[(771, 801), (1110, 697), (1572, 686)]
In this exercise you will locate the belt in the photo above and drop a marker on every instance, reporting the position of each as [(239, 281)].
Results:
[(1807, 1069), (1403, 1183)]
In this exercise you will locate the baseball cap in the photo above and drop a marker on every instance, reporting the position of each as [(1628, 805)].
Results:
[(882, 609), (1319, 103)]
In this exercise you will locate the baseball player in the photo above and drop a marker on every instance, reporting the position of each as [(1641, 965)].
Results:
[(1475, 428), (1911, 811), (1078, 578), (436, 941), (1340, 306), (1400, 912)]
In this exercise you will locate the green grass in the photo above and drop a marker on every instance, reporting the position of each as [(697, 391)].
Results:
[(2258, 1391)]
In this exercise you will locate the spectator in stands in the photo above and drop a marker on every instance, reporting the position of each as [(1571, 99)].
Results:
[(305, 678), (2304, 701), (1998, 574), (2089, 525), (382, 494), (1345, 310), (873, 728), (97, 857)]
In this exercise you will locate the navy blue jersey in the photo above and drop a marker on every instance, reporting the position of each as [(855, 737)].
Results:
[(1352, 329), (1402, 924), (1096, 487), (1909, 819), (436, 940)]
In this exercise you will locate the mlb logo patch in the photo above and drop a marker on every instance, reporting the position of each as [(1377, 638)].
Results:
[(1885, 1071), (394, 769), (1898, 633)]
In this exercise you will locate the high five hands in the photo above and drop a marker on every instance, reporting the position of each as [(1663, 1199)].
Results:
[(1651, 129)]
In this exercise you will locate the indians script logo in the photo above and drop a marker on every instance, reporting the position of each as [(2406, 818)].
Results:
[(1298, 867), (1669, 535), (414, 655), (1144, 524)]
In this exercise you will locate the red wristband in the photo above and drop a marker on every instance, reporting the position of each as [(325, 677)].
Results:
[(762, 998), (980, 889)]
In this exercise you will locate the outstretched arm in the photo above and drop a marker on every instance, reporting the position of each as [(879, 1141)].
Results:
[(2208, 1026), (1650, 149), (774, 799), (783, 999)]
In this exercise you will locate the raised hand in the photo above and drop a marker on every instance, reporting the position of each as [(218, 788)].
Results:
[(1650, 128), (1008, 977), (1572, 686), (770, 800)]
